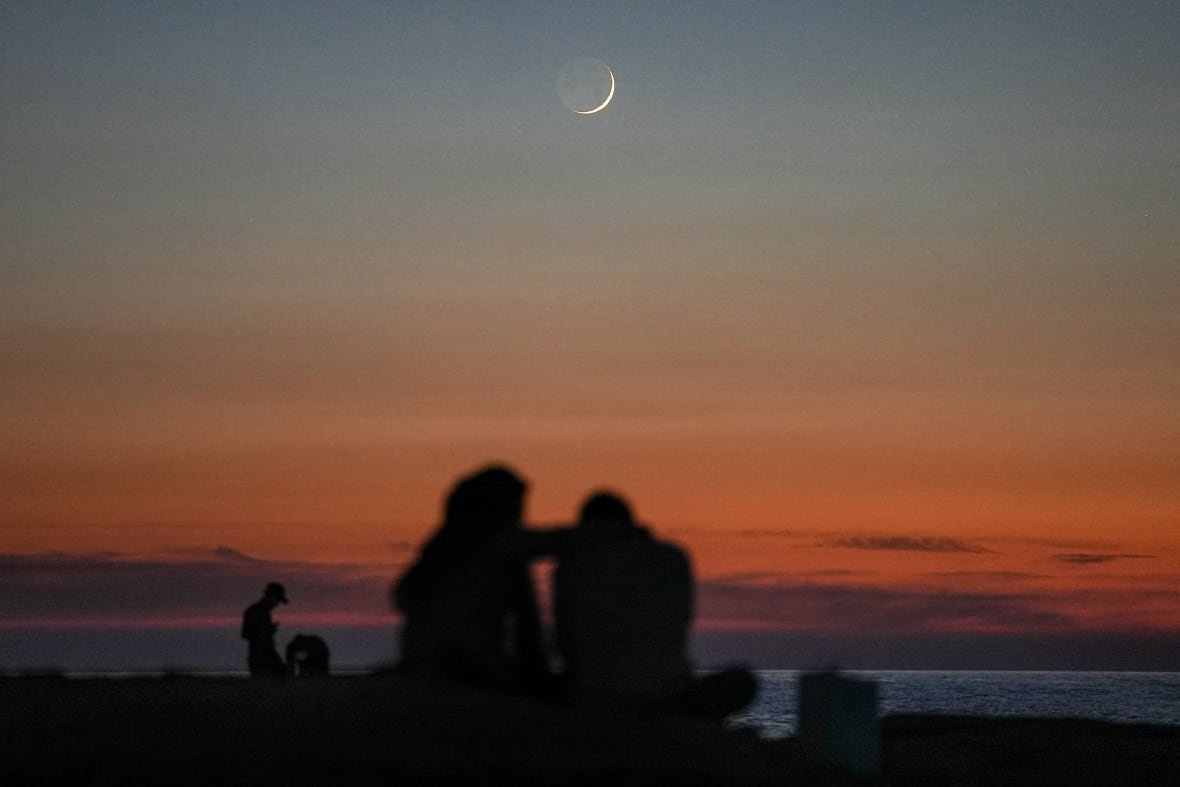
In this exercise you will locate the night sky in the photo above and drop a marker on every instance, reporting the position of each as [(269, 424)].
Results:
[(871, 306)]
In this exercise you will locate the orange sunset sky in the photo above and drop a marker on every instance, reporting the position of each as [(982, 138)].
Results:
[(874, 311)]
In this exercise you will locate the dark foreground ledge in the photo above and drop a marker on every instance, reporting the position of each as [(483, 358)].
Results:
[(954, 750), (398, 729)]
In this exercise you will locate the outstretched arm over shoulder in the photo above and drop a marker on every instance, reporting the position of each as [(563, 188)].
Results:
[(525, 544)]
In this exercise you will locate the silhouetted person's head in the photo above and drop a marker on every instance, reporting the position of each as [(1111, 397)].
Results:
[(605, 514), (275, 593), (479, 509), (486, 503)]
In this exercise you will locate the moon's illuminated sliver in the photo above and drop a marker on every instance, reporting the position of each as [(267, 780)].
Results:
[(610, 94), (586, 85)]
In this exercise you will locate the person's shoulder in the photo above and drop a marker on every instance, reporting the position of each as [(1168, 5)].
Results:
[(670, 549), (640, 547), (665, 557)]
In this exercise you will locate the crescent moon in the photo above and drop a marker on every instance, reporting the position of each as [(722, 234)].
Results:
[(610, 94)]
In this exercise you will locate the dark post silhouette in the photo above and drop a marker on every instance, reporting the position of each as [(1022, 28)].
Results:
[(259, 632)]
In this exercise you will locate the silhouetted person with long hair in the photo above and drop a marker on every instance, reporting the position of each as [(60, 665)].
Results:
[(259, 632), (623, 608), (468, 602)]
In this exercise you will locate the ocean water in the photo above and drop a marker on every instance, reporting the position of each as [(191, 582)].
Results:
[(1147, 697)]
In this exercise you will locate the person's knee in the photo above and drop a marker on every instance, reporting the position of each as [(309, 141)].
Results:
[(718, 694)]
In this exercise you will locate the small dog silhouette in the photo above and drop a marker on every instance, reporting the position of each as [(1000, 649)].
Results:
[(307, 656)]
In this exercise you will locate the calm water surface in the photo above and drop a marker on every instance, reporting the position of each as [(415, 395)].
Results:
[(1151, 697)]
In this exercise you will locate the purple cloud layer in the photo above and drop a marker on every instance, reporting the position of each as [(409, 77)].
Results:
[(216, 584), (866, 608)]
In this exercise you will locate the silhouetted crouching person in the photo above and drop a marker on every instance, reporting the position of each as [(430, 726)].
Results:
[(468, 603), (307, 656), (259, 632), (623, 606)]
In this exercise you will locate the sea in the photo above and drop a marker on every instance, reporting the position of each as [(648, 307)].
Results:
[(1130, 697)]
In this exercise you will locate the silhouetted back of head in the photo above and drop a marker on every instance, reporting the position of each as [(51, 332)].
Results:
[(606, 514), (479, 508), (485, 503)]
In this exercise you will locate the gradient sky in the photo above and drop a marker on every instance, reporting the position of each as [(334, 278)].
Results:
[(872, 306)]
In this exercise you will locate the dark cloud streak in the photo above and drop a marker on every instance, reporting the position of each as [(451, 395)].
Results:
[(1089, 558), (908, 544)]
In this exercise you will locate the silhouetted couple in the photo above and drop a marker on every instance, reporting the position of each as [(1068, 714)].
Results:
[(622, 603)]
